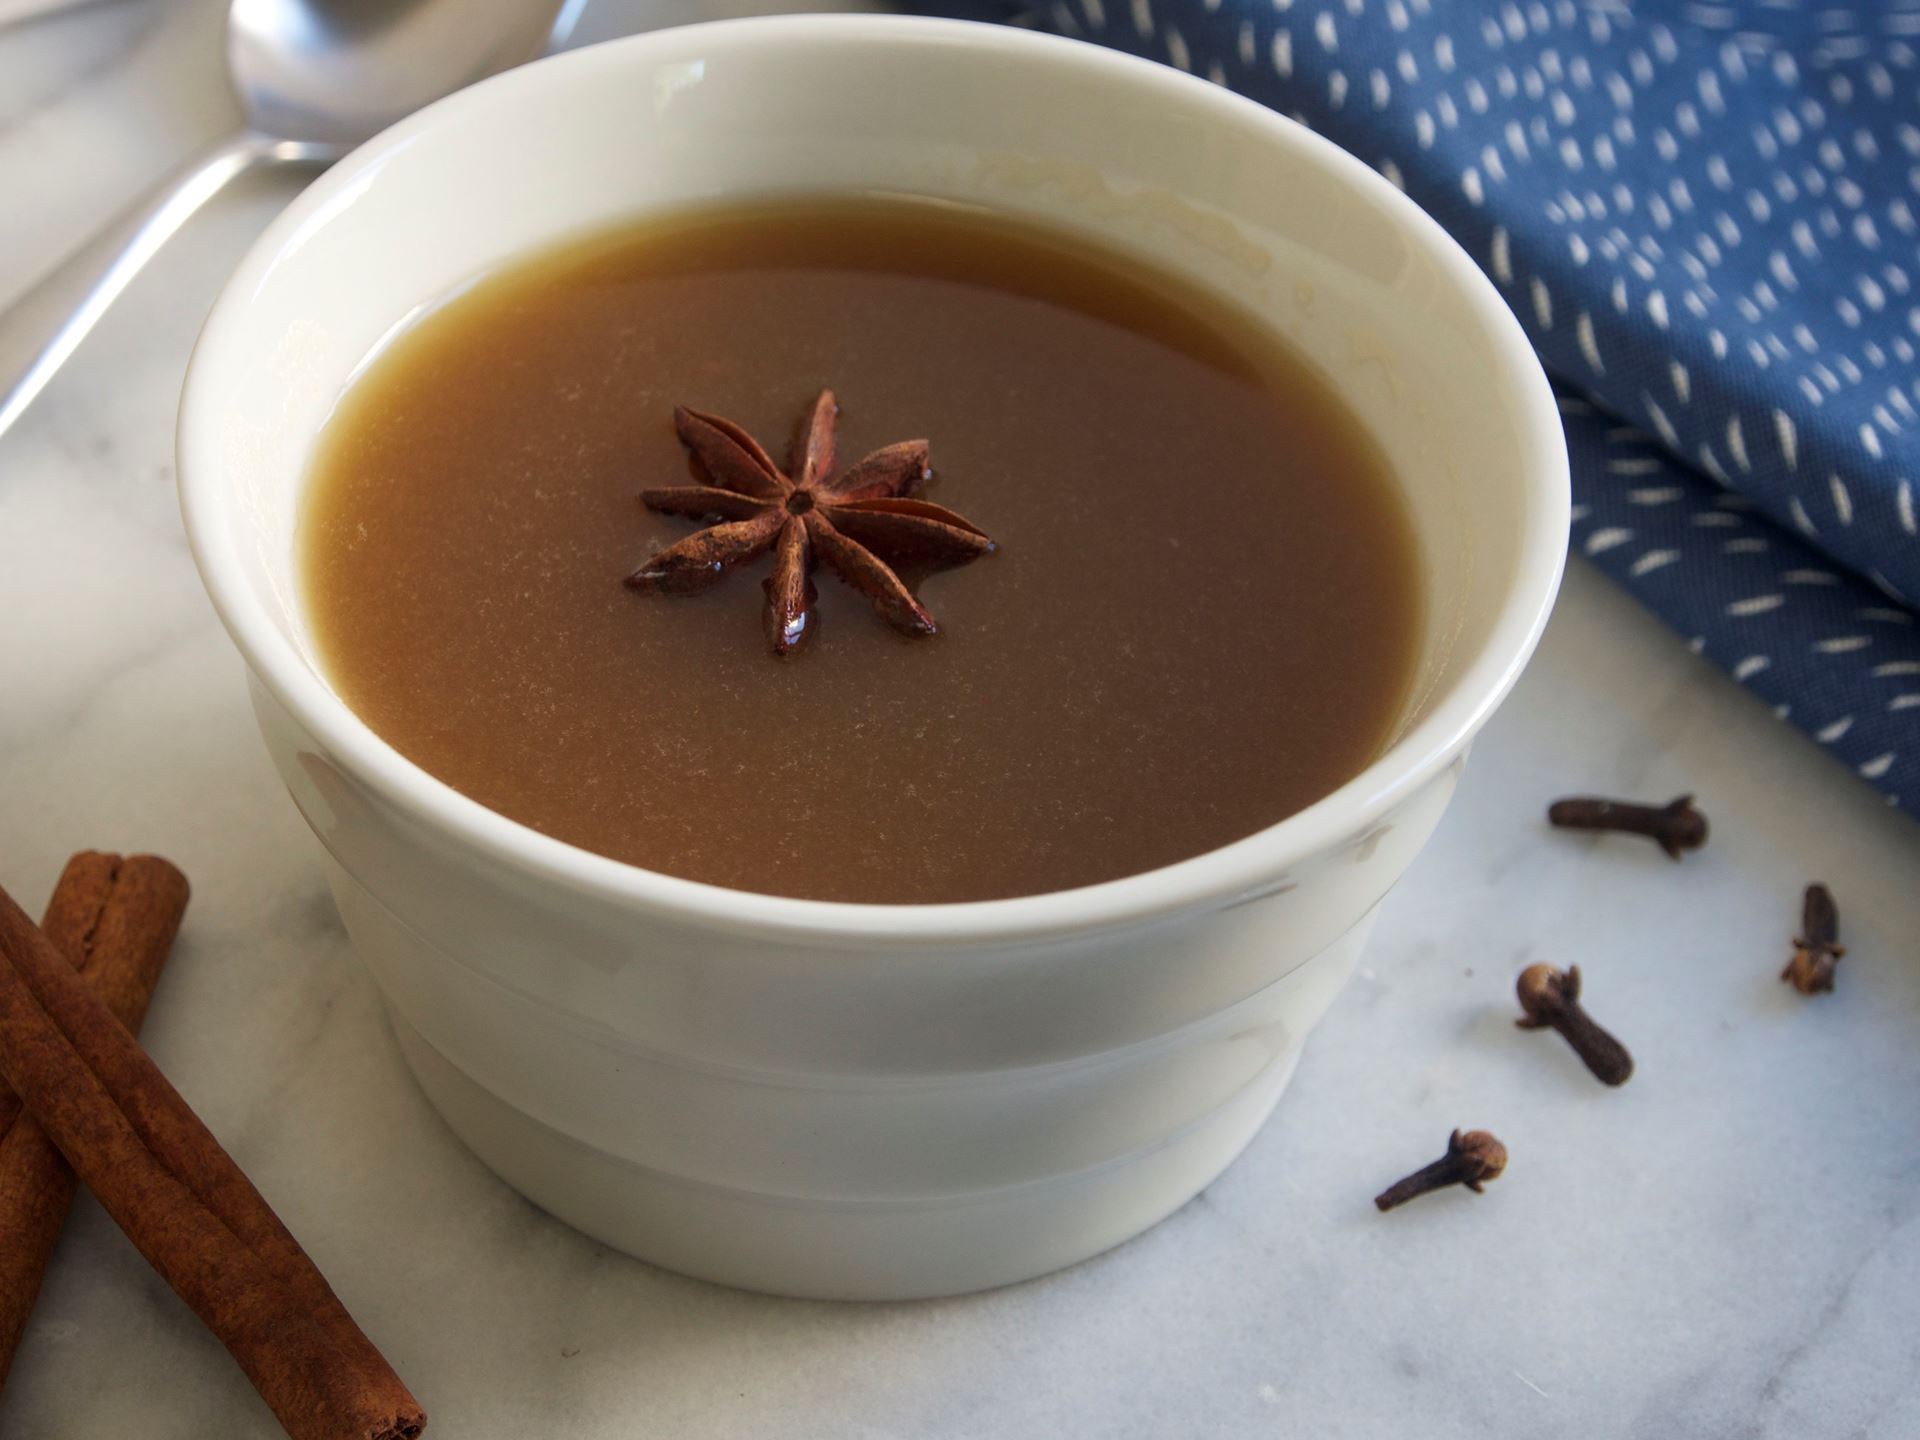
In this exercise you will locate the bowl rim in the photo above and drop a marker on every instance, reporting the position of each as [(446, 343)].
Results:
[(1213, 878)]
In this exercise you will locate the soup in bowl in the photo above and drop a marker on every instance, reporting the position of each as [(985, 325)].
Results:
[(865, 609)]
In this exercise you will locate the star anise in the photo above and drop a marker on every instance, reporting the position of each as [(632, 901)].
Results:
[(804, 514)]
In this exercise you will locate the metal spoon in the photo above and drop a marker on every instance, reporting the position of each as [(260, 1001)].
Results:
[(314, 78)]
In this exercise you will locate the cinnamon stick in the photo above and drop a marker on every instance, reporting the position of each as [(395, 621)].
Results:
[(114, 920), (179, 1197)]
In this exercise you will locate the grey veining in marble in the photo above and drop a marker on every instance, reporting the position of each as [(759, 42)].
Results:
[(1729, 1246)]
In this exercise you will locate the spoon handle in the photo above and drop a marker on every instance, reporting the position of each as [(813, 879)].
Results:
[(40, 330)]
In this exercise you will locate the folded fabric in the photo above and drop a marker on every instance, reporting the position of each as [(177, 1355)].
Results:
[(1706, 217), (1828, 652)]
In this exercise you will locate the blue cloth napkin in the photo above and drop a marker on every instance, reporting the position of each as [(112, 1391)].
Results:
[(1706, 217)]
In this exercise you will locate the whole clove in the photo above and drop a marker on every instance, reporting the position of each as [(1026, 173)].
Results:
[(1551, 999), (1676, 826), (1473, 1158), (1816, 948)]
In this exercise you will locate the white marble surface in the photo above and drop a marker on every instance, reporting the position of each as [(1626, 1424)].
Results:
[(1728, 1246)]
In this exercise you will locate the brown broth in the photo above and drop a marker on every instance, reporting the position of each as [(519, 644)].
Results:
[(1203, 614)]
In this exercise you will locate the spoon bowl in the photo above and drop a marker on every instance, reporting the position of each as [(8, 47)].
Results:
[(341, 71)]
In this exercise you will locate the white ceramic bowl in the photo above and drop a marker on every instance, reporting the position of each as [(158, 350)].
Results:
[(868, 1100)]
